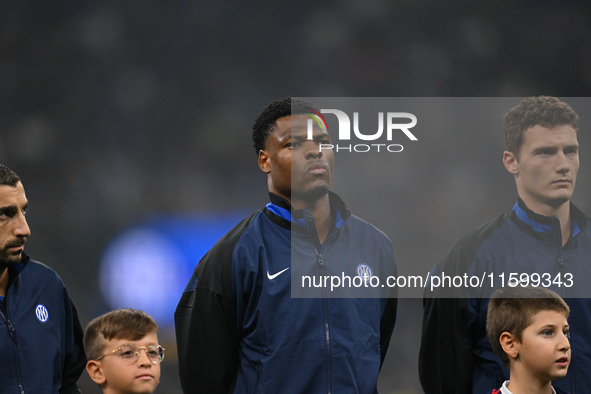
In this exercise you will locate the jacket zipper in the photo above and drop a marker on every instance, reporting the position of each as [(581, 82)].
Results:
[(12, 332), (311, 227), (326, 326)]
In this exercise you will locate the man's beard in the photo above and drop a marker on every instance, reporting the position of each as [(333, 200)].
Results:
[(11, 261), (8, 264)]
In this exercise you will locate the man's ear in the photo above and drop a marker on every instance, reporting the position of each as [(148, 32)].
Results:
[(95, 371), (264, 161), (510, 344), (511, 163)]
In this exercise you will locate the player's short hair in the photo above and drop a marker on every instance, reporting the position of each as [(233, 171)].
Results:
[(129, 324), (512, 310), (266, 122), (545, 111), (8, 177)]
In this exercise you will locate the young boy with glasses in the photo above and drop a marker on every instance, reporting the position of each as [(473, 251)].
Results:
[(123, 352), (527, 328)]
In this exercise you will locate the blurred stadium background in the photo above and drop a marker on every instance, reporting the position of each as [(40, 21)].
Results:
[(129, 123)]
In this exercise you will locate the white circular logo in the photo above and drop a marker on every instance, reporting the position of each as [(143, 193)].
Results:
[(42, 313), (364, 272)]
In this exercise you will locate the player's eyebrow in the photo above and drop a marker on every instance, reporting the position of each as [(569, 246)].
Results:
[(12, 207), (8, 209)]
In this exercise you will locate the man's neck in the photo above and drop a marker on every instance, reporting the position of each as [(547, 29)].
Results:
[(528, 385)]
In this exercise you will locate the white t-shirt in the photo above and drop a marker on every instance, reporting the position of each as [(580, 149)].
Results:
[(505, 390)]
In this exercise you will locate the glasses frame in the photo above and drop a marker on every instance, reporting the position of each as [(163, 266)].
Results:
[(137, 353)]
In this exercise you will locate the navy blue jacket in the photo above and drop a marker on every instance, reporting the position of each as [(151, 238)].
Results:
[(40, 335), (239, 329), (455, 355)]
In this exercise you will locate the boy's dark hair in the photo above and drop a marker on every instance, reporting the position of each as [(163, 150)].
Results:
[(129, 324), (266, 122), (512, 310), (7, 176), (542, 110)]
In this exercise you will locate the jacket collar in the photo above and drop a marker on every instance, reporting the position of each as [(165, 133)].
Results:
[(13, 272), (280, 211), (546, 227)]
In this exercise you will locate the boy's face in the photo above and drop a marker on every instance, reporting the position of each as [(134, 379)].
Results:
[(116, 375), (544, 350)]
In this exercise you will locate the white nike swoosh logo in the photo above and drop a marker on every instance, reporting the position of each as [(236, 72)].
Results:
[(276, 275)]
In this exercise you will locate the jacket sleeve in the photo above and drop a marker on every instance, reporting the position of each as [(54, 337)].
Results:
[(207, 350), (387, 326), (75, 360), (205, 321), (390, 310), (445, 356)]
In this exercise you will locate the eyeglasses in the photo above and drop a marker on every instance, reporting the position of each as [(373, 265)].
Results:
[(131, 353)]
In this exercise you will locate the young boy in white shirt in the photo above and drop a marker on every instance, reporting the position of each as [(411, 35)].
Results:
[(527, 328)]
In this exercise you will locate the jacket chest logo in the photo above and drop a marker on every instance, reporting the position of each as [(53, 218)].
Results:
[(273, 276), (42, 313), (364, 271)]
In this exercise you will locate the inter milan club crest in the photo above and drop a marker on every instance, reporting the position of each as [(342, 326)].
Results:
[(42, 313), (364, 272)]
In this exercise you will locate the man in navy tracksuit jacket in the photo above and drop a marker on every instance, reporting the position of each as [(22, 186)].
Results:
[(544, 240), (239, 329), (40, 335)]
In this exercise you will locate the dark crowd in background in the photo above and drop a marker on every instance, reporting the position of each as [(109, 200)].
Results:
[(114, 110)]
